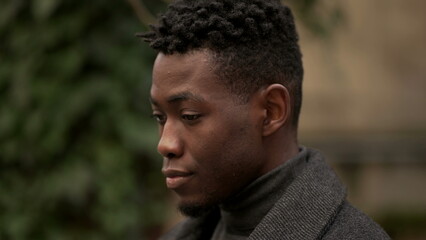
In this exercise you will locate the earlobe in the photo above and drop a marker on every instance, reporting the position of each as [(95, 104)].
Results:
[(277, 106)]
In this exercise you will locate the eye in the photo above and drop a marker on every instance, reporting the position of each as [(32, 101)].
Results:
[(191, 117), (160, 118)]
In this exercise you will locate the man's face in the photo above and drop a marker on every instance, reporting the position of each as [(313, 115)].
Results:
[(211, 144)]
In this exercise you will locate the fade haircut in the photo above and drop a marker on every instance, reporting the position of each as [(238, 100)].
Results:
[(253, 43)]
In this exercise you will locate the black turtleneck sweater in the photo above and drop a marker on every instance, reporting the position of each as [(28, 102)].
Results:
[(243, 212)]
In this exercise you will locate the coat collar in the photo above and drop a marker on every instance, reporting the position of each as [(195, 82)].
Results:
[(309, 204)]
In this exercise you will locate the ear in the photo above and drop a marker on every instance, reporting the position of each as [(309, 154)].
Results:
[(277, 105)]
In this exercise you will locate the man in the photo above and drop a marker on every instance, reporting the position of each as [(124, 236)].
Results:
[(226, 93)]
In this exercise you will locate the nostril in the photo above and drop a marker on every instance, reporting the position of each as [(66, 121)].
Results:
[(171, 155)]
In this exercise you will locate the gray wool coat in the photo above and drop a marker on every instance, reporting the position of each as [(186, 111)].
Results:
[(313, 206)]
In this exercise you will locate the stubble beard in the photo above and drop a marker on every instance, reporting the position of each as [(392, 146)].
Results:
[(199, 208), (195, 210)]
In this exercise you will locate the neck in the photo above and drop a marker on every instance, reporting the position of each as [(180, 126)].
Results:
[(242, 213), (279, 148)]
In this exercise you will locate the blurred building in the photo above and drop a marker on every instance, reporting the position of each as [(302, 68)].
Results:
[(364, 107)]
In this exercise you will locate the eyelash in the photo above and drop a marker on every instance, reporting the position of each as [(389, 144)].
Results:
[(161, 119), (190, 117)]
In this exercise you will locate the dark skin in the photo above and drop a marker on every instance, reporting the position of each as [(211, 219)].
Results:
[(213, 146)]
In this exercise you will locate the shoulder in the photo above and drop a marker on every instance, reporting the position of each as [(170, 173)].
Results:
[(351, 223)]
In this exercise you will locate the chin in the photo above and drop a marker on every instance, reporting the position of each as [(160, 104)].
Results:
[(197, 206), (195, 210)]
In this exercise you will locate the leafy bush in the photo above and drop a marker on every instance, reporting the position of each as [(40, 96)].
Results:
[(77, 156)]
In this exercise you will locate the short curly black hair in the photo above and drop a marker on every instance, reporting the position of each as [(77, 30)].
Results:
[(253, 42)]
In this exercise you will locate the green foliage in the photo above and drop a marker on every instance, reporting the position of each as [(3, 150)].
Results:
[(77, 149)]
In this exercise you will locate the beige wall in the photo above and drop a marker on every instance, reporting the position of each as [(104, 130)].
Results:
[(365, 105), (371, 76)]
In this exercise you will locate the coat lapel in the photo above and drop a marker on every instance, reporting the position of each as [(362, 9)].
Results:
[(308, 205)]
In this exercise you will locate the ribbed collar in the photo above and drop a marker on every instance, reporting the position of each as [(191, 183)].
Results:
[(242, 213)]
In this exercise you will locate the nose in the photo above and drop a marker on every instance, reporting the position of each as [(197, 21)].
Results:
[(170, 145)]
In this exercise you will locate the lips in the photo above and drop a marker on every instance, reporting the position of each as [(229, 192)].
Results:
[(176, 178)]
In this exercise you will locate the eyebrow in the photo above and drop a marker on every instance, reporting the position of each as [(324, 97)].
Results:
[(180, 97)]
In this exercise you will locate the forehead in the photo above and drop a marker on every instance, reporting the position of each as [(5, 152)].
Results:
[(192, 72), (180, 65)]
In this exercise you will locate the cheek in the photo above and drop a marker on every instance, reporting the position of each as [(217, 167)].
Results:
[(228, 155), (225, 161), (224, 146)]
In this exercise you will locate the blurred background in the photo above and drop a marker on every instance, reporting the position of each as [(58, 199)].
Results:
[(77, 145)]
